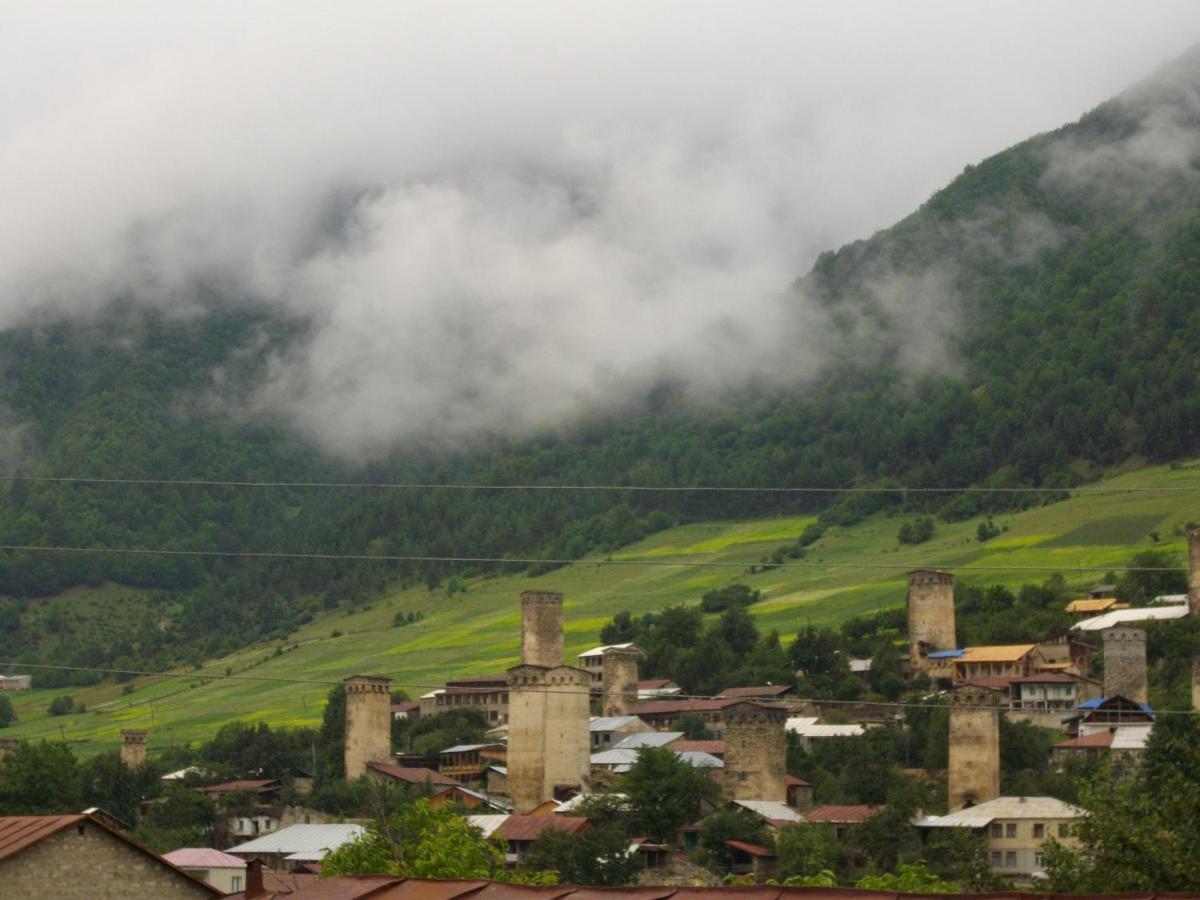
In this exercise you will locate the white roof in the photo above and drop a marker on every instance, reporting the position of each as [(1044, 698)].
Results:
[(627, 756), (1125, 616), (486, 824), (599, 651), (647, 739), (568, 806), (699, 759), (302, 839), (808, 727), (771, 809), (463, 748), (1130, 737), (982, 814), (860, 665), (611, 723), (432, 694), (180, 774)]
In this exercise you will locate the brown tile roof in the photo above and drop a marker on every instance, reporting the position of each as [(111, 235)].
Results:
[(766, 690), (529, 828), (407, 706), (842, 815), (499, 891), (410, 775), (18, 833), (667, 707), (790, 780), (1099, 739), (254, 787), (348, 887), (414, 889)]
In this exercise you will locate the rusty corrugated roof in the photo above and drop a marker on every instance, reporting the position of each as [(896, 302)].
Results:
[(411, 775), (349, 887), (529, 828), (19, 832), (433, 889), (842, 815), (662, 707)]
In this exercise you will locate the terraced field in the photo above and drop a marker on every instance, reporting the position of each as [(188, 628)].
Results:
[(848, 572)]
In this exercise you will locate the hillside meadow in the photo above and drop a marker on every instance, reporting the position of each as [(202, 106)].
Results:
[(850, 571)]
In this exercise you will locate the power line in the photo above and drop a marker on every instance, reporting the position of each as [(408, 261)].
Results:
[(891, 704), (616, 488), (527, 561)]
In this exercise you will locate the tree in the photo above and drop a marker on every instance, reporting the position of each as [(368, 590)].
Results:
[(693, 727), (419, 840), (108, 783), (595, 856), (331, 739), (913, 878), (665, 793), (8, 715), (61, 705), (730, 824), (39, 778), (961, 856), (182, 817), (807, 850)]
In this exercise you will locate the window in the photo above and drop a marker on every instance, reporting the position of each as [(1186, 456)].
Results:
[(1037, 859), (996, 859), (1039, 830), (1010, 830), (1064, 830), (997, 830), (235, 883), (1010, 859)]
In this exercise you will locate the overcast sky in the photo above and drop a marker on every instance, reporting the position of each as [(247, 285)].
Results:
[(550, 187)]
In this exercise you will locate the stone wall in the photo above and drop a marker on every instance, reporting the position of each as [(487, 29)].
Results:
[(1125, 663), (541, 628), (526, 717), (755, 753), (85, 862), (548, 737), (930, 613), (620, 678), (974, 769), (368, 722), (133, 747)]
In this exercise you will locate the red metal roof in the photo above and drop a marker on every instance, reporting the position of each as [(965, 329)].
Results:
[(203, 858), (410, 774), (752, 849), (842, 815), (414, 889), (349, 887), (683, 745), (1099, 739), (791, 780), (529, 828), (254, 787)]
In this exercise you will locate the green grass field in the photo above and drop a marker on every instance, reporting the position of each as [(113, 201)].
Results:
[(848, 572)]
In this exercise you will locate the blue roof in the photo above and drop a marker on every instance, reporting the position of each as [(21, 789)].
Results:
[(1096, 702), (945, 654)]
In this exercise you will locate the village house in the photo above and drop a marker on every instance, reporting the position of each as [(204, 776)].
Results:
[(755, 860), (1067, 654), (1124, 740), (296, 847), (408, 711), (1091, 606), (762, 692), (1015, 829), (810, 729), (250, 807), (470, 799), (85, 857), (16, 682), (656, 688), (487, 693), (607, 731), (663, 715), (1007, 661), (427, 780), (465, 763), (592, 661), (223, 871), (1103, 713), (841, 818), (519, 832)]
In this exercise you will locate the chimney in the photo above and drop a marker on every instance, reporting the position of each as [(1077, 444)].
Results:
[(368, 723), (619, 679), (542, 629), (930, 613), (755, 752), (254, 879), (974, 774), (133, 747), (1125, 663)]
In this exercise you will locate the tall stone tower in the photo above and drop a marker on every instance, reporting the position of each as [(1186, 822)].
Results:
[(133, 747), (755, 752), (930, 613), (549, 745), (1125, 663), (541, 628), (368, 722), (619, 678), (1194, 570), (974, 773)]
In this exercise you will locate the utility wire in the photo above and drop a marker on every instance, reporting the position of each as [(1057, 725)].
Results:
[(644, 488), (893, 704), (525, 561)]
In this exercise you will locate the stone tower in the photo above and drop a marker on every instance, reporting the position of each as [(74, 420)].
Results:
[(368, 722), (1125, 663), (930, 613), (541, 628), (620, 678), (1194, 570), (974, 772), (549, 744), (133, 747), (755, 752)]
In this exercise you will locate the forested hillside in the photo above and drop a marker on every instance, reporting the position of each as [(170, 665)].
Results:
[(1035, 321)]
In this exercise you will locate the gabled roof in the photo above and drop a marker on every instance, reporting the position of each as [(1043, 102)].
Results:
[(842, 815), (529, 828), (945, 654), (599, 651), (683, 745), (1115, 702), (203, 858), (653, 684), (1101, 739), (410, 774), (982, 814), (302, 839), (998, 653), (647, 739), (466, 748), (1092, 605), (766, 690), (261, 786), (752, 849), (1124, 616), (611, 723), (667, 707), (18, 833), (772, 810)]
